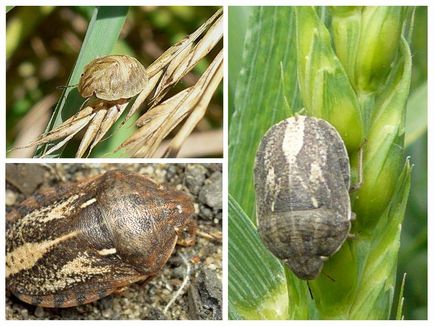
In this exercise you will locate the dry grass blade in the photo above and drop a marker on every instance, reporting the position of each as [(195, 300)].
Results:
[(170, 69), (32, 125), (66, 128), (163, 118), (163, 110), (188, 59), (69, 134), (154, 118), (173, 51), (143, 96), (196, 115), (198, 144), (178, 60), (91, 132), (113, 114), (191, 100)]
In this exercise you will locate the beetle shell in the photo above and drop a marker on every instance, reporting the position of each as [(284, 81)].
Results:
[(112, 78), (302, 181), (79, 242)]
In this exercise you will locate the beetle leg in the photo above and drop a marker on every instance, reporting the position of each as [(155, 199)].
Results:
[(215, 236), (187, 236)]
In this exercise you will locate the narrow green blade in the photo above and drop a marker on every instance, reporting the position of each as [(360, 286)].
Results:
[(102, 34), (257, 285), (266, 92)]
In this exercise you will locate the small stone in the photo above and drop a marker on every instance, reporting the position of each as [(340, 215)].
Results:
[(179, 272), (205, 296), (211, 192), (195, 175), (106, 313), (205, 212), (11, 197), (39, 312), (155, 314)]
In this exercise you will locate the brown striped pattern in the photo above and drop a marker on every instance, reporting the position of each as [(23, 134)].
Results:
[(88, 239)]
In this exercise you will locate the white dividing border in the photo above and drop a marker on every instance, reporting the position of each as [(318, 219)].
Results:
[(223, 161)]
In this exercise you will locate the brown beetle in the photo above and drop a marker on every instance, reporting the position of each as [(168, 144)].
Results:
[(107, 83), (78, 242), (113, 78)]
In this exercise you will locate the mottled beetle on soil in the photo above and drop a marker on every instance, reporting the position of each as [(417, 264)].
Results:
[(78, 242), (302, 180)]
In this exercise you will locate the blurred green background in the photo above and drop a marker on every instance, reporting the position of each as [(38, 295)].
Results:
[(413, 251), (42, 44)]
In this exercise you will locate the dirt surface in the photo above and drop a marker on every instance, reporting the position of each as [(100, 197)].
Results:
[(199, 267)]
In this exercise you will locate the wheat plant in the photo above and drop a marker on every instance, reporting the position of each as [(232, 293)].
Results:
[(352, 67)]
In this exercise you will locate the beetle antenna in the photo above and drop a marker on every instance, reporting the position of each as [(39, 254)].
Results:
[(329, 277), (67, 86), (310, 290)]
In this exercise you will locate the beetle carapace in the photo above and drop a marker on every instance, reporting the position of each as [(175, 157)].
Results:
[(302, 179), (78, 242)]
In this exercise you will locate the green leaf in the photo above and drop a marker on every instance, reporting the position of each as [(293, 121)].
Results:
[(358, 282), (257, 285), (101, 36), (325, 88), (22, 24), (238, 18), (399, 315), (417, 110), (266, 92), (378, 256)]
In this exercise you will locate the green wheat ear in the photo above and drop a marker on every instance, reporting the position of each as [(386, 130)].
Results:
[(357, 75), (351, 67)]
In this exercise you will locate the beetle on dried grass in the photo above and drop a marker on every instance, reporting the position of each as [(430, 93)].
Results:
[(112, 82)]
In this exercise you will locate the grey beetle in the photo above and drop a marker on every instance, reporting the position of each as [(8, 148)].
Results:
[(302, 181)]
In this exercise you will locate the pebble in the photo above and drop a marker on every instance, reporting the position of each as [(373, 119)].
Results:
[(211, 192), (194, 177), (39, 312), (11, 197)]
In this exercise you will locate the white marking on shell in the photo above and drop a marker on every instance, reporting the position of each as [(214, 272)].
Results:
[(82, 265), (292, 143), (315, 175), (314, 202), (106, 252), (25, 256), (89, 202), (294, 138), (272, 186), (67, 275), (179, 208), (58, 210), (350, 213)]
